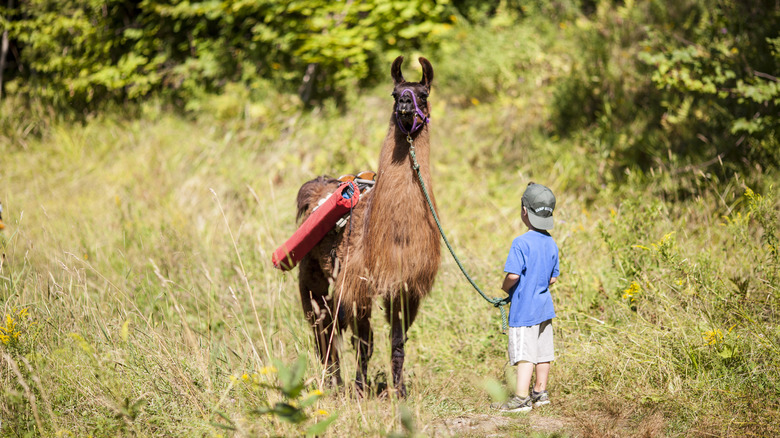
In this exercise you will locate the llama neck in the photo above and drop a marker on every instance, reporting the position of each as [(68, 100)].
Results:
[(402, 240), (395, 158), (397, 181)]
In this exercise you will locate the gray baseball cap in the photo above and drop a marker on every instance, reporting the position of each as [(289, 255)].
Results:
[(539, 201)]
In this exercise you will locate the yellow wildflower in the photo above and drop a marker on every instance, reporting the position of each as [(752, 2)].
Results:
[(631, 292), (712, 337), (9, 333), (267, 370), (663, 240)]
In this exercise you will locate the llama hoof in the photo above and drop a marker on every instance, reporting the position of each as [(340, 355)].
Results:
[(361, 390), (400, 391), (334, 383)]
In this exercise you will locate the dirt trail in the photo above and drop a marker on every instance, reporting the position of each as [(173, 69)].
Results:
[(496, 425)]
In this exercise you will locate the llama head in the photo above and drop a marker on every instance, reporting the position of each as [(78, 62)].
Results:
[(411, 98)]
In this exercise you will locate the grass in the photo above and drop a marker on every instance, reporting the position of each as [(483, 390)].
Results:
[(137, 279), (140, 251)]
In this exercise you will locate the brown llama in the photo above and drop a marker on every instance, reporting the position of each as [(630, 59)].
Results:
[(389, 248)]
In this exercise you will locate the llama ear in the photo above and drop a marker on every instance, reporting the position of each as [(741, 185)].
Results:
[(427, 77), (395, 71)]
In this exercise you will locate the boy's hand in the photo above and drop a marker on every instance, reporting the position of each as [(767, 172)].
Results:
[(553, 280)]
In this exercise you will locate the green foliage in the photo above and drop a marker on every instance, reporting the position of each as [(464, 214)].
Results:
[(714, 62), (73, 53), (408, 429), (763, 210), (292, 408), (757, 229), (606, 101), (488, 61), (82, 54), (479, 11), (693, 80), (703, 305)]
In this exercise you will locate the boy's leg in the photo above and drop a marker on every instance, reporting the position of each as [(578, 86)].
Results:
[(521, 401), (524, 371), (542, 372), (546, 354)]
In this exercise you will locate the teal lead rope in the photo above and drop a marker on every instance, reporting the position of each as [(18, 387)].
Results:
[(496, 302)]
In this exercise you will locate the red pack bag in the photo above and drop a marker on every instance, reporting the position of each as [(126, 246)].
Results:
[(316, 226)]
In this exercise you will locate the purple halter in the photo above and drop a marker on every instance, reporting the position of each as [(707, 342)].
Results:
[(418, 112)]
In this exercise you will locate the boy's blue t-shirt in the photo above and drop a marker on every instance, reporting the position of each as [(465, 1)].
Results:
[(534, 257)]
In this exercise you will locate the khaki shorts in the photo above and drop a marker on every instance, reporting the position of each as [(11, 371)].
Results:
[(531, 344)]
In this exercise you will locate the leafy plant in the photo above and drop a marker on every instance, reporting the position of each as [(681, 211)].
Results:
[(659, 84), (83, 54), (295, 403)]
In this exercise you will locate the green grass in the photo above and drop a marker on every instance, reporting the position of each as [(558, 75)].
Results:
[(141, 251)]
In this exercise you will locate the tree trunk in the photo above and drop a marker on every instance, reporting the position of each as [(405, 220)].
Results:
[(4, 43), (307, 85)]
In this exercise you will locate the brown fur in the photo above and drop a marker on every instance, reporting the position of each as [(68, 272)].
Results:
[(389, 249)]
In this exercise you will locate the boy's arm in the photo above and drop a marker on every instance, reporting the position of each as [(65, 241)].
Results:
[(553, 280), (509, 281)]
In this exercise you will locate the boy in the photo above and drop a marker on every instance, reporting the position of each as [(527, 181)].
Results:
[(531, 268)]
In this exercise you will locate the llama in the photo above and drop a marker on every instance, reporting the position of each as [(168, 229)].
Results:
[(389, 248)]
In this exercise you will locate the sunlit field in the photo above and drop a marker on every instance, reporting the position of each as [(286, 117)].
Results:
[(138, 297)]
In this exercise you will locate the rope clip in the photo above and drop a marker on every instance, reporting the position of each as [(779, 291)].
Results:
[(415, 164)]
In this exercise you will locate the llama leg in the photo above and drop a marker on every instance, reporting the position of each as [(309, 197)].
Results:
[(324, 336), (400, 312), (317, 308), (363, 342)]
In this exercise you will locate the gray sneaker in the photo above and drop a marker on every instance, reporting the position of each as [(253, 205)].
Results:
[(540, 398), (516, 404)]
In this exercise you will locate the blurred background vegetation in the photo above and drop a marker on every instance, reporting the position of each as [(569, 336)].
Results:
[(150, 153), (644, 80)]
